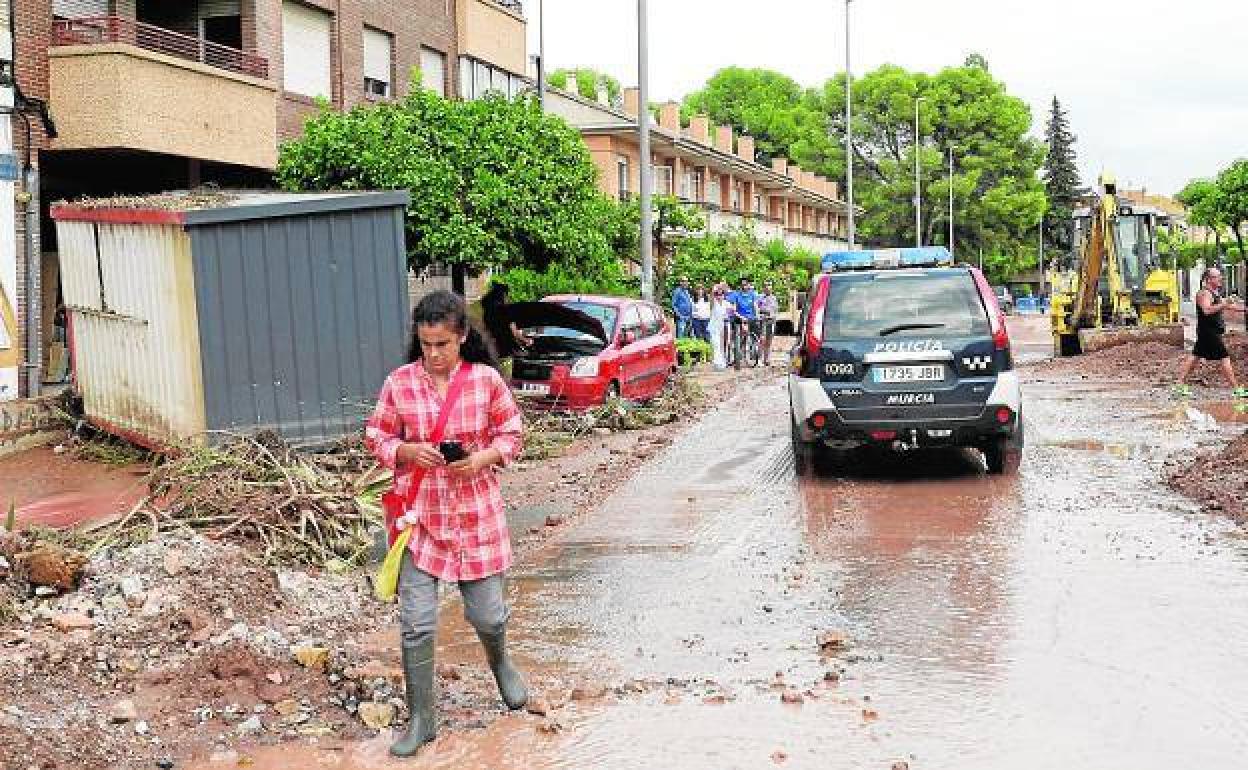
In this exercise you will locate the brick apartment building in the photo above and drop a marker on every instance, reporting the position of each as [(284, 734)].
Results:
[(718, 172), (152, 95)]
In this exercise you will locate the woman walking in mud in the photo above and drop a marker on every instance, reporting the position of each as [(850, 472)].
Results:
[(443, 423), (1210, 326)]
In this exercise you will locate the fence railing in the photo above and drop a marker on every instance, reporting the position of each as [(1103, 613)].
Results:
[(117, 29)]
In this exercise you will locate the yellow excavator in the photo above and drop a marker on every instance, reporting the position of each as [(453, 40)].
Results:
[(1114, 289)]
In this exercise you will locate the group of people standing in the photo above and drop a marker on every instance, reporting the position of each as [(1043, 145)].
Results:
[(723, 316)]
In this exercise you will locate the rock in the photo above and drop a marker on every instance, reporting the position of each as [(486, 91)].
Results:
[(449, 672), (52, 565), (537, 706), (275, 677), (141, 728), (554, 520), (602, 431), (131, 586), (5, 567), (174, 562), (869, 715), (123, 711), (226, 757), (779, 757), (588, 692), (130, 664), (251, 726), (286, 707), (792, 697), (831, 677), (72, 621), (901, 765), (375, 669), (316, 658), (164, 764), (549, 727), (715, 700), (832, 641), (376, 715), (114, 603), (46, 592)]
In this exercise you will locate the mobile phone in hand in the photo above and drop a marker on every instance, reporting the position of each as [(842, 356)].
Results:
[(453, 451)]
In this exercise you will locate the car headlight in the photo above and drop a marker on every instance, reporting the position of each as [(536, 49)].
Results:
[(585, 367)]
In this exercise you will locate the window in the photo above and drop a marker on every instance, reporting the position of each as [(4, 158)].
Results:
[(663, 180), (926, 304), (378, 70), (433, 70), (621, 175), (305, 48), (691, 185), (651, 320), (630, 321), (758, 204), (713, 195), (736, 195)]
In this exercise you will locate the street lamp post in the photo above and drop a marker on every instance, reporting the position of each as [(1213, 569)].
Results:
[(643, 129), (541, 55), (918, 190), (849, 132), (951, 200)]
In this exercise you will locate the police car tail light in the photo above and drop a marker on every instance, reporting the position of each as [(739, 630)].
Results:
[(1000, 336), (819, 420), (814, 320), (1005, 415)]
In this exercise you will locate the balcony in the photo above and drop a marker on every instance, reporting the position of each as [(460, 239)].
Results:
[(120, 84), (149, 37)]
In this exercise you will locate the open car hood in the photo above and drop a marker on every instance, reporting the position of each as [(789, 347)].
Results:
[(527, 315)]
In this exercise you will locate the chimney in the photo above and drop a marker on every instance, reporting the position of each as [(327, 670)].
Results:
[(780, 165), (632, 101), (604, 96), (669, 116), (795, 173), (700, 129), (745, 147), (723, 139), (834, 190)]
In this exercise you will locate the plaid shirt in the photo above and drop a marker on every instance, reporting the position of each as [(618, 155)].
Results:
[(462, 533)]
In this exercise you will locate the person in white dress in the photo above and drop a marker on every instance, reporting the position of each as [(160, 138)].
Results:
[(719, 317)]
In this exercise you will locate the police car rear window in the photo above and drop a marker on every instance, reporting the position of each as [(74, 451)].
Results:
[(918, 304)]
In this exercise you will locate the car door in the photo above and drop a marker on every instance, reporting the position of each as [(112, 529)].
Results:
[(663, 349), (650, 352), (632, 358)]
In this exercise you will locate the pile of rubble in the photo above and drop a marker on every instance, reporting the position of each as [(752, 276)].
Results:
[(1152, 362), (1217, 480)]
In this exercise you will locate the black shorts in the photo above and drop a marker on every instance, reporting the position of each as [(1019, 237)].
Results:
[(1210, 347)]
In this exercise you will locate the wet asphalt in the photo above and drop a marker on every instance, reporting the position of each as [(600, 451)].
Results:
[(1077, 615)]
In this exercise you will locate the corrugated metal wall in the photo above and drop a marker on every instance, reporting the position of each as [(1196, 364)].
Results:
[(130, 290), (300, 318)]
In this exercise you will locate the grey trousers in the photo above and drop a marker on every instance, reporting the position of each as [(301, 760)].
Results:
[(484, 605)]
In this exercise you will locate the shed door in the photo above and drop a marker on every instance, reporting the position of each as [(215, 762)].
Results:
[(305, 45)]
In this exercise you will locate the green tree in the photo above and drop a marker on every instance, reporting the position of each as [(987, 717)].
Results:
[(1233, 199), (588, 82), (493, 183), (998, 197), (1204, 209), (672, 220), (766, 105), (1061, 178)]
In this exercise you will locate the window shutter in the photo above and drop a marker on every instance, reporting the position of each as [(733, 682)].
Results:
[(433, 70), (377, 48), (305, 47)]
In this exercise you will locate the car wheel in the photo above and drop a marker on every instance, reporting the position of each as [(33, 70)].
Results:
[(1003, 456), (803, 452)]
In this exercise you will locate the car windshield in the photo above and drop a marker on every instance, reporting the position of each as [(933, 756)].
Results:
[(904, 305), (605, 314)]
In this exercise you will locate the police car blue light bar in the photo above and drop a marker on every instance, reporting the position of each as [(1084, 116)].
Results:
[(928, 256)]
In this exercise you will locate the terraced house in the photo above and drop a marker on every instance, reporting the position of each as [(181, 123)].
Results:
[(711, 167), (151, 95)]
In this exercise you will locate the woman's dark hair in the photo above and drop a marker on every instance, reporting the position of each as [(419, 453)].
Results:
[(448, 308)]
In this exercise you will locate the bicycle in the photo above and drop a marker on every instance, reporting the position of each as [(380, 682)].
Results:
[(747, 348)]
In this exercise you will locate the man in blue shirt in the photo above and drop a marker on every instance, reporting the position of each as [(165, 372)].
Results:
[(745, 304), (682, 308)]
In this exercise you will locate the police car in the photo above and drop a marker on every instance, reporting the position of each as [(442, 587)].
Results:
[(903, 349)]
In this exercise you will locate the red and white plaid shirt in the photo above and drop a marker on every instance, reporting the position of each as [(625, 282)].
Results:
[(462, 533)]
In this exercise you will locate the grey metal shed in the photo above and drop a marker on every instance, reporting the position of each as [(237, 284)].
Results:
[(195, 313)]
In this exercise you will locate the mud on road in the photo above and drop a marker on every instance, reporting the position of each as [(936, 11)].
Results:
[(719, 613)]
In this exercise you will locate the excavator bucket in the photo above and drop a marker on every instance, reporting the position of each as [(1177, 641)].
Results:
[(1092, 340)]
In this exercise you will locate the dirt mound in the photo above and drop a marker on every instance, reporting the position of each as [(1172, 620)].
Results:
[(1152, 362), (1217, 480)]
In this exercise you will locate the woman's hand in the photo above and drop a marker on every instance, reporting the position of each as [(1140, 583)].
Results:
[(420, 455), (475, 462)]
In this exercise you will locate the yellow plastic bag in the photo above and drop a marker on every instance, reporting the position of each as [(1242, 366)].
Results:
[(386, 581)]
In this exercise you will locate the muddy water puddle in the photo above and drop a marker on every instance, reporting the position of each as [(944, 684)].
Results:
[(1077, 615)]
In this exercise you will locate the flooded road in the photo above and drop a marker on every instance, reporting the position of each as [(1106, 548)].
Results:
[(1078, 615)]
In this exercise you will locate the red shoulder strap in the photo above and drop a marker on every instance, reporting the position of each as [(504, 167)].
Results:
[(453, 391)]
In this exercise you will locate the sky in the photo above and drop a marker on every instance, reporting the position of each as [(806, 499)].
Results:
[(1157, 92)]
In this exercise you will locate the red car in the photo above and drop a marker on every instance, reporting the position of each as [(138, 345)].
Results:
[(588, 349)]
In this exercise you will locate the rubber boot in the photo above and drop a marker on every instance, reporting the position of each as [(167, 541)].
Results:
[(510, 683), (422, 727)]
